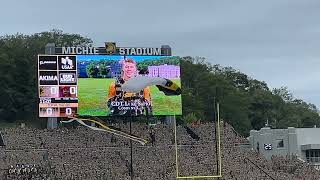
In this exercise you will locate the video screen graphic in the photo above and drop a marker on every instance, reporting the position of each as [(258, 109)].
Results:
[(49, 112), (68, 91), (112, 85), (49, 91), (68, 111)]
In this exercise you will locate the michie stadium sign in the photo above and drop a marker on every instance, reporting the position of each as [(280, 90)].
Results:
[(111, 49), (108, 81)]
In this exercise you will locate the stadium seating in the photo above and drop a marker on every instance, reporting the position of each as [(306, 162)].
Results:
[(80, 153)]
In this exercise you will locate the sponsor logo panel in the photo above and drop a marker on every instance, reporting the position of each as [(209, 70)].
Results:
[(48, 78), (67, 78), (67, 62), (48, 63)]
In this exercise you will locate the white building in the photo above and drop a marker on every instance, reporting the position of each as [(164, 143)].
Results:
[(303, 142)]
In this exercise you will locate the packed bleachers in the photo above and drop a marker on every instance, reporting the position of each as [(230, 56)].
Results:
[(81, 153)]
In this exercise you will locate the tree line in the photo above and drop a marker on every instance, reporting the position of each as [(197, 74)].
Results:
[(101, 68), (246, 103)]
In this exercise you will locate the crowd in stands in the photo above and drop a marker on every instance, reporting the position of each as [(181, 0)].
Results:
[(81, 153), (26, 171)]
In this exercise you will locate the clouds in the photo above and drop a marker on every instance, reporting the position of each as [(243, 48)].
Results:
[(276, 40)]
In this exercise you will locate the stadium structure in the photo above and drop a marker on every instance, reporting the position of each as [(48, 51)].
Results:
[(300, 142)]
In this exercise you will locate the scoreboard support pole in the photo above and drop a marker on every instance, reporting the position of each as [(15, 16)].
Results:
[(131, 152), (52, 122), (170, 119)]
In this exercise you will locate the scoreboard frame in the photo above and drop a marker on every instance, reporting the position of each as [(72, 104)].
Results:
[(57, 85), (51, 76)]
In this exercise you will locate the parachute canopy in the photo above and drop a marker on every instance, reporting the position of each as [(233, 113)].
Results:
[(105, 128), (138, 83)]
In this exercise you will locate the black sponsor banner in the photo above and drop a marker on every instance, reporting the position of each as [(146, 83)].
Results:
[(57, 100), (47, 62), (67, 77), (64, 100), (48, 78), (67, 62)]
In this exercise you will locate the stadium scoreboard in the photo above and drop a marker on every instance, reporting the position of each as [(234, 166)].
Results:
[(57, 79), (60, 72)]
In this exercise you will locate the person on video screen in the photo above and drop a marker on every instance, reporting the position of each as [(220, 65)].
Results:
[(126, 103)]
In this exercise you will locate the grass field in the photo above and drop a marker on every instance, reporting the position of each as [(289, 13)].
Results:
[(92, 94)]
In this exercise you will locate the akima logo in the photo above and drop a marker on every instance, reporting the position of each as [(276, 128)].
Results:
[(67, 63), (48, 78), (67, 78)]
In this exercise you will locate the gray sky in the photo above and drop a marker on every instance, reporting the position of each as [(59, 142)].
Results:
[(276, 41)]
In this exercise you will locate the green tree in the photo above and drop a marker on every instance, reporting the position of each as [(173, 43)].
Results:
[(18, 65), (284, 93), (92, 70), (245, 102)]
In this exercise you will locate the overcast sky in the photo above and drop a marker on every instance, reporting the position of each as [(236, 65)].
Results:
[(277, 41)]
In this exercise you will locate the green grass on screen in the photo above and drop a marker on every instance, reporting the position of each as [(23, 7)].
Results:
[(93, 94)]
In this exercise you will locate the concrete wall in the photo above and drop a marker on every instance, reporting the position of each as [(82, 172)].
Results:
[(293, 139), (307, 136), (270, 136)]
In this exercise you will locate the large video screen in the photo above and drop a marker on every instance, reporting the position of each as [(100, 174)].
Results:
[(111, 85)]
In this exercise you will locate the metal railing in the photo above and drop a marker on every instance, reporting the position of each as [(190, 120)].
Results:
[(313, 159)]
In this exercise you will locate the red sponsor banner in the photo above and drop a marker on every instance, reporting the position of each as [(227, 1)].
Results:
[(62, 105)]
